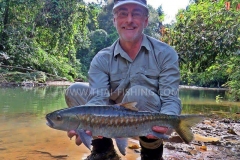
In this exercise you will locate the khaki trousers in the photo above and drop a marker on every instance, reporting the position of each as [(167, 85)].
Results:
[(77, 94)]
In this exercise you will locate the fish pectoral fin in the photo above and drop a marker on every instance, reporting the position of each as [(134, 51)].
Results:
[(122, 144), (86, 139), (159, 135), (129, 105)]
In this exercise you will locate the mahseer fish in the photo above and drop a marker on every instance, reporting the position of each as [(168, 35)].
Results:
[(119, 121)]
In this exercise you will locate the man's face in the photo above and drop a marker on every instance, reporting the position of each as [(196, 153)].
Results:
[(130, 20)]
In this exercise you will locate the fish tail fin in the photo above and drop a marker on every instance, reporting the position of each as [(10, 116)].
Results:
[(185, 124)]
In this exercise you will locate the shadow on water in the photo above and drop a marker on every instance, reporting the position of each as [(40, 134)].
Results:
[(24, 134)]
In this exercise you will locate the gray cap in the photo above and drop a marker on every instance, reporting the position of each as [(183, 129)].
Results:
[(118, 3)]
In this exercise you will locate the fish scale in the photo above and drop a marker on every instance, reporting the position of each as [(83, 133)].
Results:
[(124, 122)]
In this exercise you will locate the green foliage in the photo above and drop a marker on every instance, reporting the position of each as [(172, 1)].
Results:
[(44, 35), (219, 99), (214, 76), (206, 30), (207, 35), (94, 10), (154, 22), (105, 20), (65, 31), (233, 69), (160, 14), (99, 38)]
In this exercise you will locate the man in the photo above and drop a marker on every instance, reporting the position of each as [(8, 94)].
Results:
[(136, 68)]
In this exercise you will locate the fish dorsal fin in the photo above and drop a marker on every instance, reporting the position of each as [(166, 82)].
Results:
[(129, 105)]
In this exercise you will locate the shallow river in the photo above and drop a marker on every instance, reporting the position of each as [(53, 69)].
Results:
[(24, 134)]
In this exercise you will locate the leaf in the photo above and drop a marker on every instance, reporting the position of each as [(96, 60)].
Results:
[(203, 148), (134, 146), (201, 138)]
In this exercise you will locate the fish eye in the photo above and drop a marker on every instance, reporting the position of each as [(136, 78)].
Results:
[(59, 117)]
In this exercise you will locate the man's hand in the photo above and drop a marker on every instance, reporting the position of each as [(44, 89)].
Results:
[(78, 140), (159, 129)]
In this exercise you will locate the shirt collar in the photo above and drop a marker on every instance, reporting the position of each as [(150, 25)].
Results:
[(118, 49)]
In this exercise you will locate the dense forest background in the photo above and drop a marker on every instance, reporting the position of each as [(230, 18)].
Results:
[(61, 37)]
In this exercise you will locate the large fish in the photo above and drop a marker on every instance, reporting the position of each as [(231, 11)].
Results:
[(119, 121)]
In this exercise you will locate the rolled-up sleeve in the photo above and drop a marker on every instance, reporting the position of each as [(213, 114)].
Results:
[(169, 80), (98, 78)]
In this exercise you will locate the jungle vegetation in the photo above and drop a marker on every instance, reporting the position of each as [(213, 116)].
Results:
[(61, 37)]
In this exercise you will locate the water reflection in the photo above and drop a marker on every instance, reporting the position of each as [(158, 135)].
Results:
[(206, 102), (33, 100)]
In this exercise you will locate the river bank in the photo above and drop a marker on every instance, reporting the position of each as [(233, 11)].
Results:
[(41, 79), (35, 84), (67, 83)]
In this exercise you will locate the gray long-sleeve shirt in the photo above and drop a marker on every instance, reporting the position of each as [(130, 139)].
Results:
[(112, 72)]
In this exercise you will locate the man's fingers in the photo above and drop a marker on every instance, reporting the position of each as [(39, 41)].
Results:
[(78, 140), (89, 133), (161, 136), (71, 133), (100, 137), (160, 129), (151, 137)]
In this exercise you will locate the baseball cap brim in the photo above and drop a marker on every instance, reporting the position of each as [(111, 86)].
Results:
[(120, 3)]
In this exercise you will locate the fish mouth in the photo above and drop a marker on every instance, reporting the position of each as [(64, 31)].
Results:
[(49, 122)]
